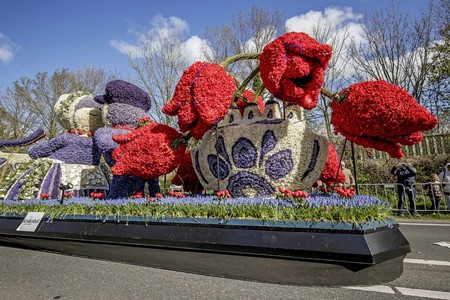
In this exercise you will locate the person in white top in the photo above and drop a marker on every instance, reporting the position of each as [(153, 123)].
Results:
[(444, 178)]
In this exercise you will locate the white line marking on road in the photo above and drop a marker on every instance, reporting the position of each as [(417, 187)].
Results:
[(423, 293), (426, 224), (404, 291), (443, 244), (427, 262), (373, 288)]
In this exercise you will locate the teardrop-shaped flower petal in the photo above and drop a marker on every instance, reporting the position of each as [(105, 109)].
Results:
[(380, 115)]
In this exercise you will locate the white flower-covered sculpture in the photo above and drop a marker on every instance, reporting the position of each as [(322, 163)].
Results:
[(81, 116), (252, 154)]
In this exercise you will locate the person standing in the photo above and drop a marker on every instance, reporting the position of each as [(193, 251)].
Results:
[(444, 178), (434, 191), (349, 179), (406, 178)]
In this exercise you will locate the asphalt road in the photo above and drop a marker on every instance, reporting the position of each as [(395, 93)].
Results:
[(27, 274)]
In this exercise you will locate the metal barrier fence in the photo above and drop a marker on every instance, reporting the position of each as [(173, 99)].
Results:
[(388, 193)]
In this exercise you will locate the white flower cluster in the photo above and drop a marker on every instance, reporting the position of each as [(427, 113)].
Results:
[(84, 177), (272, 148)]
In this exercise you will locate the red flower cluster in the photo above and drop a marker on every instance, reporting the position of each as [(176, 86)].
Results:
[(69, 194), (292, 68), (223, 194), (144, 121), (326, 190), (176, 194), (202, 98), (187, 177), (158, 195), (380, 115), (330, 173), (345, 192), (146, 152), (97, 195), (138, 195), (249, 95), (287, 193), (44, 196)]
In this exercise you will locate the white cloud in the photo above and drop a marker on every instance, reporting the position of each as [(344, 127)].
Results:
[(193, 47), (7, 49), (340, 20), (161, 29), (126, 48), (338, 27)]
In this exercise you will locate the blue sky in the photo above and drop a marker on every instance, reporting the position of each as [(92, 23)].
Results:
[(45, 35)]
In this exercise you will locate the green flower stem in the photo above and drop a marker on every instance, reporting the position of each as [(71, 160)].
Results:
[(238, 57), (259, 91), (327, 93), (248, 79)]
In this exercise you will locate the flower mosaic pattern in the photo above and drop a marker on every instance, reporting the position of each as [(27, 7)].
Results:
[(245, 156), (250, 155)]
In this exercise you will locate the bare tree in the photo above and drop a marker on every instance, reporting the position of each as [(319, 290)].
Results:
[(246, 34), (438, 89), (91, 79), (337, 75), (28, 103), (397, 49), (159, 65)]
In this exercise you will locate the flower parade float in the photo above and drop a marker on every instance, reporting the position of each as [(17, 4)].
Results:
[(254, 160)]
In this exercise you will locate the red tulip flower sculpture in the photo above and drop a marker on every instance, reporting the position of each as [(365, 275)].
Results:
[(249, 96), (202, 98), (185, 176), (146, 152), (380, 115), (331, 172), (292, 68)]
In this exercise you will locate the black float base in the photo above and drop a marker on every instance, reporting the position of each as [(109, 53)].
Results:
[(296, 253)]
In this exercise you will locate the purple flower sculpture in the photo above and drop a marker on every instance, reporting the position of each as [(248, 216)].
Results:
[(123, 105), (28, 140)]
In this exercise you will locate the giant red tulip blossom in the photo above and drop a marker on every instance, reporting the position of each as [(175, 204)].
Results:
[(146, 152), (202, 98), (292, 67), (380, 115)]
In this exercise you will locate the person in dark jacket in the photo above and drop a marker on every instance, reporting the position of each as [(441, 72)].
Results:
[(406, 178)]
